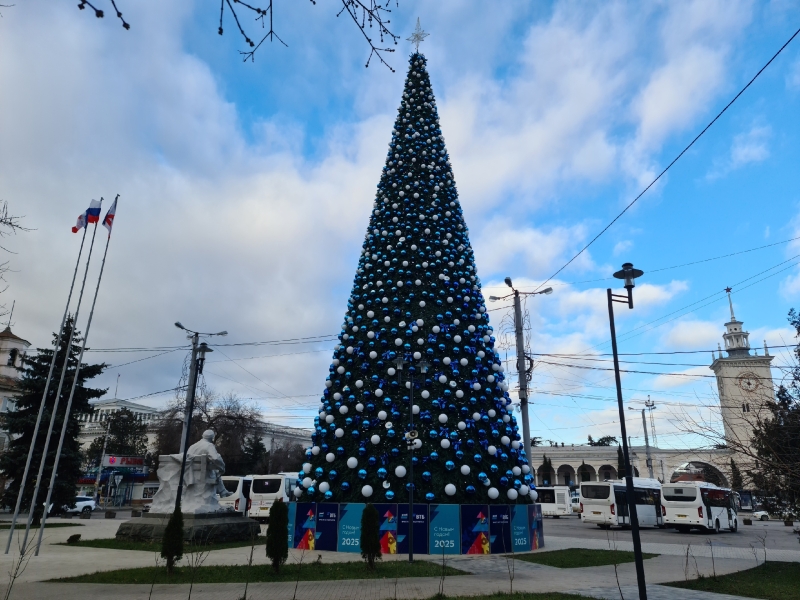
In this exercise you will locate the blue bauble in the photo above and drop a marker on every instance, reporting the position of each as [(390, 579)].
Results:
[(362, 451), (517, 483), (477, 458), (494, 468), (454, 435), (504, 481), (528, 478), (503, 456), (390, 433), (426, 475), (433, 433), (362, 473), (389, 495), (395, 452), (470, 490), (311, 491), (328, 495), (430, 497), (340, 451), (449, 465), (372, 461), (355, 433), (332, 474), (410, 485), (382, 473), (434, 455), (459, 454), (319, 472), (308, 454), (345, 486)]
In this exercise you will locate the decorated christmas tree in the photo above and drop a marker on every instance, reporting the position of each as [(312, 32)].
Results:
[(416, 303)]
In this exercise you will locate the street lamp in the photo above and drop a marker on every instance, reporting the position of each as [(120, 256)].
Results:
[(629, 274), (412, 443), (196, 368), (521, 371)]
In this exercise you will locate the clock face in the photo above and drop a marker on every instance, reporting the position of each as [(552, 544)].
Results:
[(748, 382)]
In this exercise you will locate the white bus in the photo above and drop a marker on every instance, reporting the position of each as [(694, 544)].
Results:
[(699, 505), (265, 490), (605, 503), (239, 488), (555, 501)]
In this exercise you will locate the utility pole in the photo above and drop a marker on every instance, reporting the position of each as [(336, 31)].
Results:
[(187, 412), (649, 461), (628, 273)]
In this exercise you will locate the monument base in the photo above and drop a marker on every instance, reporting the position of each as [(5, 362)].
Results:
[(204, 528)]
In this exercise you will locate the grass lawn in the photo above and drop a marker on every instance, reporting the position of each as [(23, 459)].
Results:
[(773, 581), (47, 526), (575, 558), (309, 571), (115, 544), (519, 596)]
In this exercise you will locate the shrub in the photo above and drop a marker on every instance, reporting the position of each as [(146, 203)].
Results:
[(278, 534), (172, 542), (370, 535)]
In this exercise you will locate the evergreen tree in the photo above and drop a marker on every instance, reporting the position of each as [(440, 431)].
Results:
[(416, 296), (737, 482), (277, 534), (546, 470), (21, 421), (370, 535), (127, 436), (172, 541), (254, 456)]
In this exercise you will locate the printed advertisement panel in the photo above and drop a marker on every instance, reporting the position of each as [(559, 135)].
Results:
[(520, 531), (327, 533), (500, 529), (474, 529), (305, 526), (387, 517), (535, 522), (420, 529), (443, 530), (350, 527)]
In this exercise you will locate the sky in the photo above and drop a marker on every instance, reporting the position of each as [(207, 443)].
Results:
[(245, 187)]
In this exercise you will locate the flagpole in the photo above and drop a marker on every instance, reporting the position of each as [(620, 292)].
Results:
[(58, 396), (72, 393), (21, 492)]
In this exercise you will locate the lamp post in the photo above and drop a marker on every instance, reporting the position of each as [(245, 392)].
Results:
[(521, 370), (629, 274), (196, 368), (411, 441), (103, 457)]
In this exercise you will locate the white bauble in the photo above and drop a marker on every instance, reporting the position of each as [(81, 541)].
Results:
[(391, 371), (306, 467), (366, 491), (516, 471), (307, 482), (298, 491), (493, 493), (476, 416), (459, 394), (492, 413), (506, 418), (400, 471), (491, 450), (465, 469), (343, 409), (464, 362), (360, 407), (534, 495), (379, 392), (337, 396), (417, 443), (328, 419), (462, 426), (339, 432), (515, 444), (512, 494), (426, 394), (526, 469), (382, 415), (476, 386), (524, 490), (442, 418), (505, 440), (417, 355), (324, 486), (446, 360), (373, 355), (315, 450), (415, 409), (450, 489), (420, 322), (436, 329), (375, 439), (330, 457), (445, 443), (352, 462), (442, 379)]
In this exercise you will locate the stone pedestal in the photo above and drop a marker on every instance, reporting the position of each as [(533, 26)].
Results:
[(200, 528)]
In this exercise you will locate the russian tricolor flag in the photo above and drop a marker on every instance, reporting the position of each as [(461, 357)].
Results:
[(92, 215)]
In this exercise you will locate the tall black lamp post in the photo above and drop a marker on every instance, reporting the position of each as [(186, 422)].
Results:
[(412, 442), (629, 274)]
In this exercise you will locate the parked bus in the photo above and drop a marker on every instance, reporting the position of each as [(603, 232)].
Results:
[(265, 490), (239, 488), (699, 505), (555, 501), (605, 503)]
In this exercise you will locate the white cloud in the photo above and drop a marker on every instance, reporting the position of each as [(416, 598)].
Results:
[(693, 334), (622, 247), (747, 148), (793, 77)]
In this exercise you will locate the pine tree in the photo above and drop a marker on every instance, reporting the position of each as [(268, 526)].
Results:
[(370, 535), (277, 536), (20, 423), (416, 296), (254, 455), (737, 482)]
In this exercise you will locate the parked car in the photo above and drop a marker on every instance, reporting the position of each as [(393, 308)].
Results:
[(761, 515), (83, 504)]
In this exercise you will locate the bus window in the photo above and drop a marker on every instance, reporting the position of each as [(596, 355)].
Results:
[(596, 492), (547, 496), (717, 498), (686, 494), (267, 486)]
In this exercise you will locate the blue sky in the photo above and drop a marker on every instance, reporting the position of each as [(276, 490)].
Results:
[(246, 187)]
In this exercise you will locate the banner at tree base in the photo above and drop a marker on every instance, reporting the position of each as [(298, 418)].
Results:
[(438, 528)]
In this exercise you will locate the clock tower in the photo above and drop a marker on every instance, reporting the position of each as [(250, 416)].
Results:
[(744, 383)]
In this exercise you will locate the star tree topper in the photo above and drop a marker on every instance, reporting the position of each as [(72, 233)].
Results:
[(418, 36)]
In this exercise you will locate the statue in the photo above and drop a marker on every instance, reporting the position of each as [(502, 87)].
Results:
[(202, 479)]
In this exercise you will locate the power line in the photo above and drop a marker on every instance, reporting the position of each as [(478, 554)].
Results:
[(667, 168)]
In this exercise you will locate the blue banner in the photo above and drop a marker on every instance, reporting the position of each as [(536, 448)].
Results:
[(327, 534), (535, 522), (500, 529), (350, 527), (387, 517), (292, 516), (520, 531), (420, 529), (444, 529), (475, 529), (305, 526)]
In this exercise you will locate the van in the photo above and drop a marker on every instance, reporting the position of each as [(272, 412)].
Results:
[(265, 490), (555, 501), (239, 488), (699, 505), (605, 503)]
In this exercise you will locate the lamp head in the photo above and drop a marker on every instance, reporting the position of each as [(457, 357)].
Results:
[(493, 298), (179, 326), (222, 333), (628, 273), (423, 366), (508, 282), (398, 363), (203, 348), (547, 291)]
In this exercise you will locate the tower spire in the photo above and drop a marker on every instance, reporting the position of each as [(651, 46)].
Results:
[(728, 291)]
